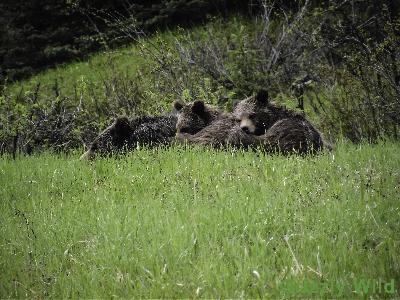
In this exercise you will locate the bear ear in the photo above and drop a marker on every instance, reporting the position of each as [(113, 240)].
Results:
[(178, 105), (121, 122), (198, 107), (262, 96)]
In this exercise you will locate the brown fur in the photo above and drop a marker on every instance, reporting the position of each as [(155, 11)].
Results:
[(292, 135), (205, 125), (224, 132)]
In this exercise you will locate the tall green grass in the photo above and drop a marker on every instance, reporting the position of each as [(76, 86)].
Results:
[(200, 223)]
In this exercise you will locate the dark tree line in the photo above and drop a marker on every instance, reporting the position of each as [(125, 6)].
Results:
[(38, 34)]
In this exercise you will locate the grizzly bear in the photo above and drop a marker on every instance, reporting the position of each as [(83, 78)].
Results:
[(124, 135), (278, 128), (202, 124)]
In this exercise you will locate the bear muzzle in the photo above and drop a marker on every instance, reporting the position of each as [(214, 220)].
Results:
[(247, 125)]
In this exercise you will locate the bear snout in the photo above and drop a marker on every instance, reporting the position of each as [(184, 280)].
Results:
[(247, 125), (246, 129)]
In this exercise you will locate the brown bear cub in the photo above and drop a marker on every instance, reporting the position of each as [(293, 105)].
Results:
[(205, 125), (194, 116), (124, 134), (279, 129)]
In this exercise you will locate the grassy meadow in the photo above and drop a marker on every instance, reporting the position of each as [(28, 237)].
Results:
[(199, 223), (192, 222)]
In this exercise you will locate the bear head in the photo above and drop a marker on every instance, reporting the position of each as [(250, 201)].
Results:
[(194, 116), (251, 104), (110, 140), (256, 114)]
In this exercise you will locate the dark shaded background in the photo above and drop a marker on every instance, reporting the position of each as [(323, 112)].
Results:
[(38, 34)]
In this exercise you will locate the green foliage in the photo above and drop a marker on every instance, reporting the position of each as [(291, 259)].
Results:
[(64, 108), (354, 91), (187, 223), (365, 49)]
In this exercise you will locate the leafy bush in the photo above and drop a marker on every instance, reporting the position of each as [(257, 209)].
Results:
[(280, 47), (367, 70), (35, 120)]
